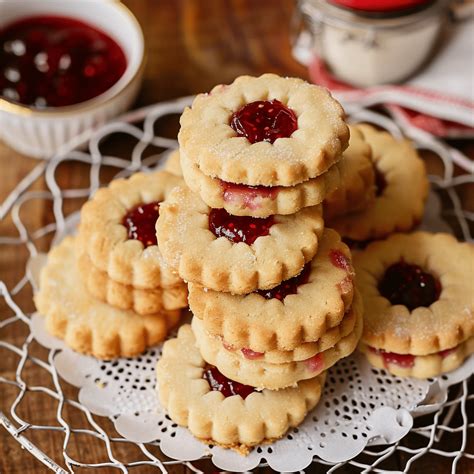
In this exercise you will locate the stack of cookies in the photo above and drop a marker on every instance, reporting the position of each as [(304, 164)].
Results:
[(108, 292), (271, 288)]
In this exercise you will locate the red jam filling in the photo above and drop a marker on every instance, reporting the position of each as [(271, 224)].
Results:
[(380, 182), (409, 285), (403, 360), (248, 195), (238, 228), (53, 61), (288, 287), (220, 383), (140, 223), (339, 260), (447, 352), (264, 121), (250, 354), (315, 363)]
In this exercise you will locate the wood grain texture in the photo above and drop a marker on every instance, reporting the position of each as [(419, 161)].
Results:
[(191, 46)]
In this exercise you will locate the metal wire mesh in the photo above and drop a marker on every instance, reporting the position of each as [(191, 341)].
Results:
[(140, 126)]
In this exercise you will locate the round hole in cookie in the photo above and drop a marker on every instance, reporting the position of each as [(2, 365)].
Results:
[(140, 223), (239, 228), (219, 382), (288, 287), (409, 285), (264, 120)]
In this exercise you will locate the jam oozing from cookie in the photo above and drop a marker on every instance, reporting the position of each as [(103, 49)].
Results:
[(53, 61), (220, 383), (238, 228), (380, 182), (250, 354), (315, 363), (264, 121), (248, 196), (288, 287), (409, 285), (339, 260), (140, 223), (403, 360), (447, 352)]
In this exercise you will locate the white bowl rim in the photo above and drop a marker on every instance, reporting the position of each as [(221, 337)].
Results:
[(17, 108)]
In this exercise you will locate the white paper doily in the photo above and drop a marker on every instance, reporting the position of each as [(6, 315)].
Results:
[(360, 404)]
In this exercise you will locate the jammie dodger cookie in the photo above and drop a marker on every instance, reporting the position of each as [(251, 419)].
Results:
[(401, 190), (267, 130), (240, 368), (419, 303), (149, 301), (259, 201), (221, 411), (86, 324), (117, 230), (234, 254), (297, 311), (357, 189)]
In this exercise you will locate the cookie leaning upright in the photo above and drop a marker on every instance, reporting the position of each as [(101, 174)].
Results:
[(401, 190)]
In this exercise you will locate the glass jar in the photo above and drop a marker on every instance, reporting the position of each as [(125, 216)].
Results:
[(366, 48)]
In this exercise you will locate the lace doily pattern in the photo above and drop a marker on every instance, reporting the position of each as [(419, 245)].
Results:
[(365, 412)]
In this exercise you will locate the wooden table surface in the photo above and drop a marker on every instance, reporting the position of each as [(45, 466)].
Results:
[(191, 45)]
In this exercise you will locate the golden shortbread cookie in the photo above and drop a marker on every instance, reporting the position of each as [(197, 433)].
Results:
[(149, 301), (207, 138), (199, 256), (448, 318), (261, 324), (259, 201), (401, 194), (357, 189), (421, 367), (233, 421), (303, 351), (262, 374), (104, 237), (86, 324)]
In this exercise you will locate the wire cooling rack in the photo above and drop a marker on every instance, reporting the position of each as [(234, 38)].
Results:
[(140, 126)]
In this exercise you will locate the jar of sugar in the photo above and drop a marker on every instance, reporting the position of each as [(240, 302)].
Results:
[(371, 42)]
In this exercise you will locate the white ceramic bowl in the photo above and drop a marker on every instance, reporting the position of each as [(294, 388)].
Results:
[(42, 133)]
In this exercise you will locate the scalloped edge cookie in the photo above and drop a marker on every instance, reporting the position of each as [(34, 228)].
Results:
[(87, 325), (263, 325), (263, 374), (431, 365), (305, 350), (150, 301), (279, 200), (401, 205), (104, 239), (207, 138), (200, 257), (357, 189), (231, 422), (443, 325)]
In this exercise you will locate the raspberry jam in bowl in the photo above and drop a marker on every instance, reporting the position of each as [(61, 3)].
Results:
[(64, 70)]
